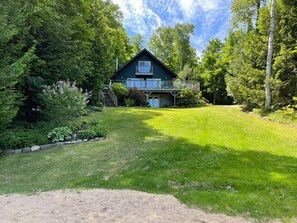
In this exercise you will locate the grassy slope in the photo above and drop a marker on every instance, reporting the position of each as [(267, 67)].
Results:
[(216, 158)]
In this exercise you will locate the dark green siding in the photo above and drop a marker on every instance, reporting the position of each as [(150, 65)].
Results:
[(129, 71)]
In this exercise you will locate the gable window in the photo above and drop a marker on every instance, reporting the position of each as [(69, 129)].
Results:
[(144, 67)]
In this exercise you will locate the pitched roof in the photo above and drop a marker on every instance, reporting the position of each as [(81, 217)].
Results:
[(153, 56)]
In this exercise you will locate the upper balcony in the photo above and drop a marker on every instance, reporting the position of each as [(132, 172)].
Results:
[(144, 70)]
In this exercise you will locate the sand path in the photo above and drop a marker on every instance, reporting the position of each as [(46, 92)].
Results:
[(100, 205)]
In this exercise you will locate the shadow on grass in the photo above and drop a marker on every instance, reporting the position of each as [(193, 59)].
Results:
[(253, 183), (136, 156)]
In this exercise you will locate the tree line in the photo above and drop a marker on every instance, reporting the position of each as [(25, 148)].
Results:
[(240, 66), (43, 42)]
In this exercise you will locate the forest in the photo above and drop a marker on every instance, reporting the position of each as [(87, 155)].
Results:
[(53, 46)]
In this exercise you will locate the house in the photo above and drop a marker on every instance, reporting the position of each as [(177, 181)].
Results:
[(153, 78)]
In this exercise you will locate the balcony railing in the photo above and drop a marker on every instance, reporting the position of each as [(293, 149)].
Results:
[(159, 84), (144, 70)]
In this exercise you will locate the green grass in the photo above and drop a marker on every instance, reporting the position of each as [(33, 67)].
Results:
[(216, 158)]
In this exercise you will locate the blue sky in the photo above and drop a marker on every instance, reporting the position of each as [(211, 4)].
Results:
[(210, 17)]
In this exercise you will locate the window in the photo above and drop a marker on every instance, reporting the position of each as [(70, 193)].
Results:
[(144, 67)]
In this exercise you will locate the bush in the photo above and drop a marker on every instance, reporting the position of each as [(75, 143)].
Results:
[(93, 129), (100, 132), (138, 97), (129, 102), (86, 134), (60, 134), (186, 98), (21, 137), (120, 91), (63, 101)]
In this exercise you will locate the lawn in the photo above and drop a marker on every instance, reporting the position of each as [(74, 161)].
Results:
[(215, 158)]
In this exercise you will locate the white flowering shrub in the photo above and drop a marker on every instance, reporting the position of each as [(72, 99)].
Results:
[(63, 101)]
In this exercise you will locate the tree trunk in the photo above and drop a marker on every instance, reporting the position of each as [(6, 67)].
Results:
[(269, 57)]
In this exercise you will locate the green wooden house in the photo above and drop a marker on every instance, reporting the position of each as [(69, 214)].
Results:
[(153, 78)]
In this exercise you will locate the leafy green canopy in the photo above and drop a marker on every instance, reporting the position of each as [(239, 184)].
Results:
[(43, 42)]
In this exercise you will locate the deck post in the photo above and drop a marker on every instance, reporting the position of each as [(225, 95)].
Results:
[(174, 94), (147, 94)]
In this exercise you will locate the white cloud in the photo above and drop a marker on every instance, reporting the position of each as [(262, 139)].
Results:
[(138, 17), (193, 8), (209, 17)]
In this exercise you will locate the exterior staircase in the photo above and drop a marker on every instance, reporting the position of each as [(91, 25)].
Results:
[(109, 98)]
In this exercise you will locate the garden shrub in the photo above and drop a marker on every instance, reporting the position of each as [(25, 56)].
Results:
[(99, 130), (60, 134), (138, 96), (86, 134), (63, 101), (21, 137), (93, 129), (120, 91), (129, 102), (186, 98)]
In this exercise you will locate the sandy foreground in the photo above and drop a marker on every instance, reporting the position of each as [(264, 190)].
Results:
[(102, 205)]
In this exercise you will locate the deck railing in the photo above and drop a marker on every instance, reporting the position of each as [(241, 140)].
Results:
[(159, 84), (144, 70)]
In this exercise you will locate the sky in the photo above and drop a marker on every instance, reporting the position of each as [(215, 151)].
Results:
[(210, 17)]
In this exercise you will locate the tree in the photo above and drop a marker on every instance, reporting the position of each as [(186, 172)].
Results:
[(14, 60), (162, 45), (172, 46), (212, 72), (136, 43), (269, 57)]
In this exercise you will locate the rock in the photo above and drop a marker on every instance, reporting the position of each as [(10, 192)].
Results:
[(26, 150), (79, 141), (9, 151), (73, 142), (68, 142), (18, 151), (35, 148), (97, 138), (59, 143), (1, 151), (47, 146), (85, 140)]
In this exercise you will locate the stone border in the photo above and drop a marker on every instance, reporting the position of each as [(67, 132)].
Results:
[(45, 147)]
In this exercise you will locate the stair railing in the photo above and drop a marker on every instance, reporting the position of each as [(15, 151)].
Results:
[(112, 95)]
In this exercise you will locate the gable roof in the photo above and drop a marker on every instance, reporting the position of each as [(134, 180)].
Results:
[(153, 56)]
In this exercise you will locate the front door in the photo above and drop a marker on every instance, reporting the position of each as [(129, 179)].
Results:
[(154, 102)]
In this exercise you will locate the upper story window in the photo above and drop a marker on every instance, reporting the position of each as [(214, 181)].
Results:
[(144, 67)]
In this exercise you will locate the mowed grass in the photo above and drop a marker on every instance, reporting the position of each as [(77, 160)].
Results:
[(216, 158)]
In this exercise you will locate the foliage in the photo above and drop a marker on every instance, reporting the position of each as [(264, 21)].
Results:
[(186, 98), (212, 73), (289, 112), (99, 131), (14, 60), (129, 102), (136, 43), (120, 91), (86, 134), (42, 42), (21, 137), (172, 46), (63, 101), (92, 130), (245, 53), (138, 97), (60, 134)]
